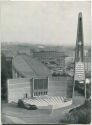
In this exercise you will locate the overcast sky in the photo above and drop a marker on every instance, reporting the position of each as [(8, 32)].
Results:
[(44, 22)]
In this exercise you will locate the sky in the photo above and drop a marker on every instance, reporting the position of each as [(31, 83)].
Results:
[(51, 22)]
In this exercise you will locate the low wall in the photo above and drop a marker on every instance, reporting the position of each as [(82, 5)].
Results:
[(65, 104), (57, 106)]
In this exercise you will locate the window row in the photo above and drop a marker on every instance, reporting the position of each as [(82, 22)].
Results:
[(40, 83), (40, 93)]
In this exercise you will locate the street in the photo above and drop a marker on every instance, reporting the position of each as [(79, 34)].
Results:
[(13, 114)]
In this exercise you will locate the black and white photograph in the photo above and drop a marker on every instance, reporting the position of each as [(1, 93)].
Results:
[(45, 62)]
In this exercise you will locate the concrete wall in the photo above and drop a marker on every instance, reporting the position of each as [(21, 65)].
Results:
[(18, 88), (24, 87)]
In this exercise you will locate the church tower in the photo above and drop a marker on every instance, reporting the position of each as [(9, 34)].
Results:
[(79, 75)]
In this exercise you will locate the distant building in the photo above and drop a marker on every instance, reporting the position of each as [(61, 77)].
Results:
[(88, 65), (69, 65), (69, 61), (87, 60), (24, 51), (52, 59)]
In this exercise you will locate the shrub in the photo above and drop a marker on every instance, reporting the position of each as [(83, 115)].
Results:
[(80, 115)]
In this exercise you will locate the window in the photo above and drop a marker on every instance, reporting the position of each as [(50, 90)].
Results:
[(45, 83), (35, 83), (36, 93), (40, 83)]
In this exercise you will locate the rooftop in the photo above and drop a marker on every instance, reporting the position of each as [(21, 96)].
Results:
[(28, 66)]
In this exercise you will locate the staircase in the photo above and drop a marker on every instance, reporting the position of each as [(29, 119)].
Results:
[(54, 102)]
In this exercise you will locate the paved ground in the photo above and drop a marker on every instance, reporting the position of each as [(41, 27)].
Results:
[(12, 114)]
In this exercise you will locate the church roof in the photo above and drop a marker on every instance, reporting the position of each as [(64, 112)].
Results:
[(28, 66)]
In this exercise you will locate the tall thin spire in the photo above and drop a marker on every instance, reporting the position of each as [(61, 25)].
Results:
[(79, 71), (79, 56), (79, 52)]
